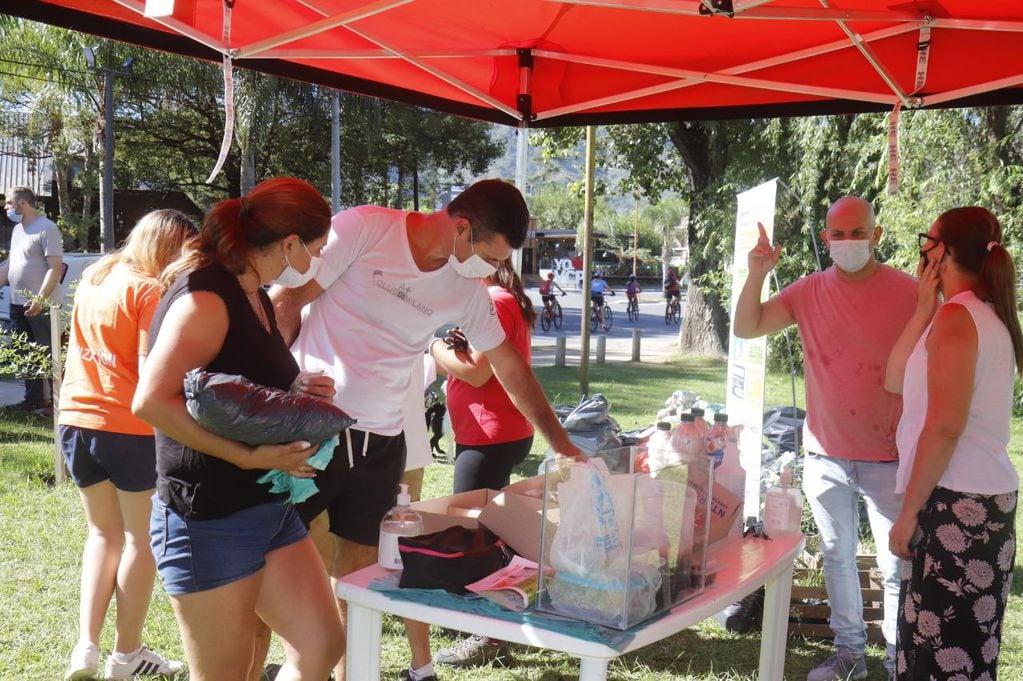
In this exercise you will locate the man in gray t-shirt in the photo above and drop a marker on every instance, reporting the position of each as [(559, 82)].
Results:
[(33, 271)]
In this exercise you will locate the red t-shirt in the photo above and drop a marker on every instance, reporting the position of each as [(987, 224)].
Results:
[(486, 415)]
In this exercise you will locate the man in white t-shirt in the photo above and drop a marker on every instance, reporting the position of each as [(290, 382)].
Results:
[(388, 279), (34, 267)]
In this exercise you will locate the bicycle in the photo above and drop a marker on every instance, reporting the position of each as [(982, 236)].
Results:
[(606, 318), (551, 315), (632, 309), (673, 310)]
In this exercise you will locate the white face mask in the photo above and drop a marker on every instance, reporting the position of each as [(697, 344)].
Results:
[(292, 278), (474, 267), (850, 255), (14, 216)]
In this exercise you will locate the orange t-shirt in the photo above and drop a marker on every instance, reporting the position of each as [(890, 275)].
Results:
[(109, 331)]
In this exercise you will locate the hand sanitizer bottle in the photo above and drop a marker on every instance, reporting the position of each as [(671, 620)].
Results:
[(400, 521)]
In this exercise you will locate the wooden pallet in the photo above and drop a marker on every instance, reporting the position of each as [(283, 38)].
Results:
[(809, 612)]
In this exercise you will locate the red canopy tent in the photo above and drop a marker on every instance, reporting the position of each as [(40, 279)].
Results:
[(570, 62)]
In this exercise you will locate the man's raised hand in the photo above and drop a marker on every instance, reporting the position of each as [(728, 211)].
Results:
[(763, 257)]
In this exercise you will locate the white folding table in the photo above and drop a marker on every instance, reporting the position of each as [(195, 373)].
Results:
[(748, 565)]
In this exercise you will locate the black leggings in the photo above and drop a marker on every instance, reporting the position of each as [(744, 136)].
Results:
[(488, 466)]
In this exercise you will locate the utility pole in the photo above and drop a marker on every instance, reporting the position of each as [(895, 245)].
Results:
[(106, 190)]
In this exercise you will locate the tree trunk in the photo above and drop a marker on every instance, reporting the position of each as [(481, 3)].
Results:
[(415, 185), (247, 161), (704, 147), (704, 329)]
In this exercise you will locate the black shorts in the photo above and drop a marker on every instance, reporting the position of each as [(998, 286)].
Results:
[(598, 299), (359, 486), (547, 297), (668, 295), (127, 461)]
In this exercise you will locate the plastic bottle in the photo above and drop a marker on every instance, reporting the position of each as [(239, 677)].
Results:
[(716, 438), (400, 521), (732, 476), (700, 419), (687, 441), (659, 447), (783, 506)]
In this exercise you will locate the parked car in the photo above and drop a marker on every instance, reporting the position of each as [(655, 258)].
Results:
[(72, 266)]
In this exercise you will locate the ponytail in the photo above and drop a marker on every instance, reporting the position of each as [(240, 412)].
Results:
[(998, 276), (508, 279), (235, 228), (973, 236)]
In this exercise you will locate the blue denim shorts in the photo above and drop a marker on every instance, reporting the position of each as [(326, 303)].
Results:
[(128, 461), (198, 555)]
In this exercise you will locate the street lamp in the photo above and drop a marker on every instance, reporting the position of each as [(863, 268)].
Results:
[(106, 190)]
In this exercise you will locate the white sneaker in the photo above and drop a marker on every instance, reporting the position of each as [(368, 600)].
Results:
[(143, 663), (84, 663)]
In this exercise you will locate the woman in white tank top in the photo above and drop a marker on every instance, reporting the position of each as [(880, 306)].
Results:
[(954, 366)]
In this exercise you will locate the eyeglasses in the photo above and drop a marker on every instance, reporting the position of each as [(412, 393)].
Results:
[(924, 239)]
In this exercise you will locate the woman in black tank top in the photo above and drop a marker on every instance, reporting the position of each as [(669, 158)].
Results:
[(226, 548)]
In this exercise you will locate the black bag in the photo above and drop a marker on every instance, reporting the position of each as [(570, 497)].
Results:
[(237, 408), (451, 558)]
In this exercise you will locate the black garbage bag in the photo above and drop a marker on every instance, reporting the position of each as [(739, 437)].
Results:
[(783, 428), (236, 408)]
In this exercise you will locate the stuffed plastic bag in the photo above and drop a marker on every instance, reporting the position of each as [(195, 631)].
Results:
[(589, 426), (588, 537), (236, 408)]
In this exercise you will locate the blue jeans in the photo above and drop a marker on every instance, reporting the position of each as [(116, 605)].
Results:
[(38, 331), (833, 488)]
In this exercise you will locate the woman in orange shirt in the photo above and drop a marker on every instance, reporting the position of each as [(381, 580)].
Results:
[(110, 453)]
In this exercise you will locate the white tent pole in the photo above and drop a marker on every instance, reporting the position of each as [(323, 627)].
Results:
[(335, 151), (584, 326), (521, 157)]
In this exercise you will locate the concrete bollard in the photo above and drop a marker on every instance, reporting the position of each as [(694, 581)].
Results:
[(559, 351), (601, 348), (637, 334)]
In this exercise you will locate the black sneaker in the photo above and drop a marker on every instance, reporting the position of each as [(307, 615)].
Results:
[(26, 406), (406, 675), (472, 652), (744, 616)]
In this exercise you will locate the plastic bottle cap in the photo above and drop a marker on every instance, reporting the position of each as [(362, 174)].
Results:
[(721, 417), (663, 425), (696, 411), (403, 496), (688, 418)]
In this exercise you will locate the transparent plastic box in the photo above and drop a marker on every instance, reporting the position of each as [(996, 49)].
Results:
[(620, 546)]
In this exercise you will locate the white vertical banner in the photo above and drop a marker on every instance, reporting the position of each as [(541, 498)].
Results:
[(747, 358)]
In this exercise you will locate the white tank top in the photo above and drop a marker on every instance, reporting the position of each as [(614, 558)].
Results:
[(980, 463)]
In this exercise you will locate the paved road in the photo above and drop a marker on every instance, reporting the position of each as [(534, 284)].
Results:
[(658, 342)]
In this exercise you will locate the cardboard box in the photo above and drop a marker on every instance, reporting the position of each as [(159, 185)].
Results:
[(462, 509), (515, 515)]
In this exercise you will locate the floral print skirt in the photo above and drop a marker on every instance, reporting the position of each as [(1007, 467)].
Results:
[(950, 619)]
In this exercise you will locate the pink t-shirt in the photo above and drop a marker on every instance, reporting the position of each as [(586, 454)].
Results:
[(848, 329)]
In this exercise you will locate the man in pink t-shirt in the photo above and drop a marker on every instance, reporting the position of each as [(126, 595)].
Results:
[(849, 317)]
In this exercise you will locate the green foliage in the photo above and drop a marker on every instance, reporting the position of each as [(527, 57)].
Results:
[(21, 358)]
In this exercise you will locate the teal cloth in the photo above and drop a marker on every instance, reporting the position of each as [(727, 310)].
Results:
[(300, 489), (477, 605)]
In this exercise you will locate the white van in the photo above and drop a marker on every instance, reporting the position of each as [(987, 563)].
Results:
[(72, 266)]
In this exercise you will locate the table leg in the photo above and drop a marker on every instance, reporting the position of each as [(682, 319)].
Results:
[(777, 602), (362, 656), (592, 669)]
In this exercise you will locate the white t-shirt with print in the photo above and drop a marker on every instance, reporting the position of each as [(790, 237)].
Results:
[(378, 312)]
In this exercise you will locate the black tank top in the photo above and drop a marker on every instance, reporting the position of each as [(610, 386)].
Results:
[(190, 482)]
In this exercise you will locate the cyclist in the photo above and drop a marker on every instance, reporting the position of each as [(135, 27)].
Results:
[(632, 290), (672, 289), (547, 292), (597, 288)]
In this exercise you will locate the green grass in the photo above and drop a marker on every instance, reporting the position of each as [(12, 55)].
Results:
[(42, 529)]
